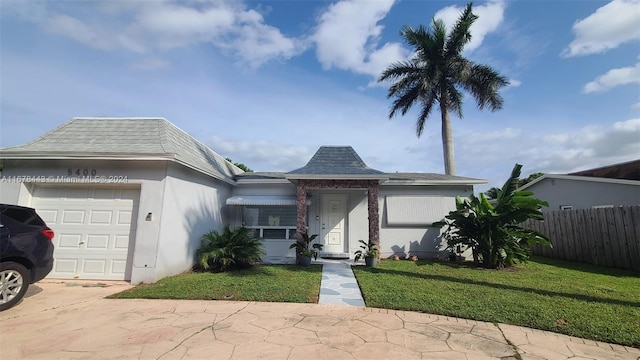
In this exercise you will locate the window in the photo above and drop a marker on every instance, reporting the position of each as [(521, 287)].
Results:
[(417, 210), (566, 207), (271, 222)]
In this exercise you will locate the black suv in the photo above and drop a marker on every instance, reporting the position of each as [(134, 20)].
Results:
[(26, 252)]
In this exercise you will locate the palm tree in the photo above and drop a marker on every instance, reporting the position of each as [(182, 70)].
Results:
[(438, 73)]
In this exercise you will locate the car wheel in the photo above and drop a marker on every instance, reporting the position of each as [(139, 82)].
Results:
[(14, 281)]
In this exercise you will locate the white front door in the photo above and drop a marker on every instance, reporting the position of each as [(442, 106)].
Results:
[(333, 223)]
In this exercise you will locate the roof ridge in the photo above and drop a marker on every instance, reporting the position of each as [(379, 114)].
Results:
[(162, 135), (230, 167)]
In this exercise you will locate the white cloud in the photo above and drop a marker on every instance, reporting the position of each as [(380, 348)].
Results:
[(607, 28), (490, 16), (152, 27), (347, 37), (613, 78), (514, 83), (493, 153), (77, 30), (269, 156)]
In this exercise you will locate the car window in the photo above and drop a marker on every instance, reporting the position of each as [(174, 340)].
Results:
[(24, 216)]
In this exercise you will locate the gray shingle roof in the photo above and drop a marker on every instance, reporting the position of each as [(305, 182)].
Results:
[(393, 178), (261, 175), (431, 177), (335, 160), (125, 138)]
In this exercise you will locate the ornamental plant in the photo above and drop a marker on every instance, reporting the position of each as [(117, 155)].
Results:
[(493, 232), (231, 249)]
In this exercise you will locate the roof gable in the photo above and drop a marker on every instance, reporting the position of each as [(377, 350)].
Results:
[(125, 138), (332, 161)]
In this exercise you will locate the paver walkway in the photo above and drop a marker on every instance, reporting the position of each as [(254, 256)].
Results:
[(339, 285)]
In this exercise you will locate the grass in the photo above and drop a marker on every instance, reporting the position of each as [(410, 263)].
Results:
[(565, 297), (272, 283)]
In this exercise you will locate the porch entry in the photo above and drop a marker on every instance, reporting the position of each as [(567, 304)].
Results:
[(333, 225)]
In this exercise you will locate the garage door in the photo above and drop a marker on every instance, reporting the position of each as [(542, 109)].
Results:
[(94, 229)]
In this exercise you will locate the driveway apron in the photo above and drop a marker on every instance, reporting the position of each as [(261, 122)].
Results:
[(72, 320)]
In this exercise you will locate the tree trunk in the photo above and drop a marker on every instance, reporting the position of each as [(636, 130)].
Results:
[(447, 140)]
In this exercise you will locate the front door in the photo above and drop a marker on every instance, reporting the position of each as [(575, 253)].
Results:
[(333, 223)]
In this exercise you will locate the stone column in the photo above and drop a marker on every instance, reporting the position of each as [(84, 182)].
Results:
[(301, 212), (374, 218)]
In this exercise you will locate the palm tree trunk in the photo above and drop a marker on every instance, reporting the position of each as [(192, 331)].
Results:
[(447, 140)]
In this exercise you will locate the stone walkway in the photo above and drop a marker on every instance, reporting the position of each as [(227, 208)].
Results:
[(339, 285)]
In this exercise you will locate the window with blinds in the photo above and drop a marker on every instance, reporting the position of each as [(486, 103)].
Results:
[(271, 222), (417, 210)]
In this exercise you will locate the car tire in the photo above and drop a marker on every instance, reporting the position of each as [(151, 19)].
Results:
[(14, 282)]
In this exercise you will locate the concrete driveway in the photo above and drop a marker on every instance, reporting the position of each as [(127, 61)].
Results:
[(72, 320)]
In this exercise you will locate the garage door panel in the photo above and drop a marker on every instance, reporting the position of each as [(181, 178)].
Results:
[(122, 242), (49, 216), (100, 217), (118, 267), (124, 217), (98, 242), (94, 233), (105, 194), (65, 266), (78, 194), (72, 217)]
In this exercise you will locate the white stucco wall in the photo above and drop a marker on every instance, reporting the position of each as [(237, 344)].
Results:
[(400, 240), (582, 194), (193, 205)]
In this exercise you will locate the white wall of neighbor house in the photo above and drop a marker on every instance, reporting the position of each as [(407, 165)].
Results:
[(193, 205), (581, 194)]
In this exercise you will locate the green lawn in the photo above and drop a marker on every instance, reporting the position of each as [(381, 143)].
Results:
[(565, 297), (276, 283)]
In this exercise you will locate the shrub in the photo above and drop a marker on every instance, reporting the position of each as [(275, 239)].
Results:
[(494, 233), (233, 249)]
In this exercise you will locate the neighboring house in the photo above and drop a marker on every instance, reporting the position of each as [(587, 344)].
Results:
[(130, 198), (629, 170), (570, 192)]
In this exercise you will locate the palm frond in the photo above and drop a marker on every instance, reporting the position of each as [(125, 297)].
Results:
[(461, 32), (484, 83)]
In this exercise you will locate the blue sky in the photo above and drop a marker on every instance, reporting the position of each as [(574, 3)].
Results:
[(268, 82)]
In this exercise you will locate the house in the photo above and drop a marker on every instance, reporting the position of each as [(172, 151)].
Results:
[(570, 192), (129, 199)]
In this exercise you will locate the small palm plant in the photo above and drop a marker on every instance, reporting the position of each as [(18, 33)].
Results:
[(231, 249)]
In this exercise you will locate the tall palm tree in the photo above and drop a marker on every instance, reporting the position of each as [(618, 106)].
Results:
[(438, 73)]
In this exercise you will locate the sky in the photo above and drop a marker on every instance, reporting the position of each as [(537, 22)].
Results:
[(268, 82)]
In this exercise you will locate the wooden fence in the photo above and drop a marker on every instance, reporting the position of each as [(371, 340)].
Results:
[(607, 237)]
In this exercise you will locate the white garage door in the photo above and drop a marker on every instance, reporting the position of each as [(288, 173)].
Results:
[(94, 229)]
